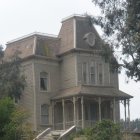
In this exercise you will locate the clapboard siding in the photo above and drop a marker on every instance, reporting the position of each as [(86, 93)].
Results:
[(67, 35), (68, 71)]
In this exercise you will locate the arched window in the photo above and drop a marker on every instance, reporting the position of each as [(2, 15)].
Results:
[(44, 114), (43, 81)]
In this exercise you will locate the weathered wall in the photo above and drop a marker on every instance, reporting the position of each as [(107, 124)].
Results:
[(88, 58), (67, 35), (68, 71), (43, 97), (23, 48)]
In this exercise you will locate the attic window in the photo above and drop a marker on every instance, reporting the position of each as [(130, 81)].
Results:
[(90, 39)]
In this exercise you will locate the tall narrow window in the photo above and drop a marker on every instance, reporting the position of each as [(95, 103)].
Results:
[(92, 73), (44, 114), (100, 74), (84, 73), (43, 81)]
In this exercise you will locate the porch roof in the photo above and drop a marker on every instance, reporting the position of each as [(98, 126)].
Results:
[(89, 90)]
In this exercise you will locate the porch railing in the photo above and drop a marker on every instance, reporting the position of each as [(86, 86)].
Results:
[(89, 123), (78, 123)]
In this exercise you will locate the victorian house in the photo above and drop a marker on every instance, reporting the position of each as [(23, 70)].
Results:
[(68, 80)]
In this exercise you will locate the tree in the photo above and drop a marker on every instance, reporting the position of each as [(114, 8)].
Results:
[(1, 52), (13, 124), (6, 109), (12, 81), (120, 22)]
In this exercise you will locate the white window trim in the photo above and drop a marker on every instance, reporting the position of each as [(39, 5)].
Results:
[(92, 64), (100, 63), (87, 73), (41, 114), (48, 84)]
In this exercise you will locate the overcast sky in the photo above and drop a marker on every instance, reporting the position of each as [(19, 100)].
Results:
[(21, 17)]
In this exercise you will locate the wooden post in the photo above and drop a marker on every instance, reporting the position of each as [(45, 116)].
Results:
[(114, 110), (53, 115), (100, 115), (82, 108), (125, 112), (63, 105), (128, 101), (74, 110)]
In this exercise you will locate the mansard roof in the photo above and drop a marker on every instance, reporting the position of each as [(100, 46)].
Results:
[(26, 46), (72, 35), (73, 31)]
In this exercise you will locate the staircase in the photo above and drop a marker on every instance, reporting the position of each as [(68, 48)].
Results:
[(49, 134), (53, 135)]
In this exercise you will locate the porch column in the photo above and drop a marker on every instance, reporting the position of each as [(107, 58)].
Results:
[(74, 113), (128, 101), (53, 114), (99, 102), (63, 105), (82, 108), (114, 110), (125, 113)]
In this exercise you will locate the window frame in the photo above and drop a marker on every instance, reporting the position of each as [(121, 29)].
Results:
[(47, 84), (100, 72), (85, 79), (44, 115), (93, 65)]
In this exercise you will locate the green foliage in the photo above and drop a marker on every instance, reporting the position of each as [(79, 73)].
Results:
[(12, 82), (107, 54), (13, 124), (134, 124), (6, 109), (120, 22), (104, 130)]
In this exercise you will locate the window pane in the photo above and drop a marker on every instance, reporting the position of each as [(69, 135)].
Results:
[(84, 75), (92, 78), (44, 114), (44, 119), (92, 75), (43, 81), (100, 78), (100, 75), (44, 109)]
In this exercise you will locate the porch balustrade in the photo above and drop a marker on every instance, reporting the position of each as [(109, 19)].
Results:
[(88, 123)]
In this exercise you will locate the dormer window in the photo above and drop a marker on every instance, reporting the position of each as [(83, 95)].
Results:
[(90, 39)]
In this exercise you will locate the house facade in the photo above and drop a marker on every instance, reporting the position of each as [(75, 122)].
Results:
[(68, 80)]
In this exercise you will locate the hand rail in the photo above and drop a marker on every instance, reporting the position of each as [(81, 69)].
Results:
[(42, 133), (67, 132)]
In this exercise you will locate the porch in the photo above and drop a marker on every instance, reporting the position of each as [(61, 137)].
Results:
[(83, 111)]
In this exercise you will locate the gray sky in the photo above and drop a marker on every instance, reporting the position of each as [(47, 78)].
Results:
[(21, 17)]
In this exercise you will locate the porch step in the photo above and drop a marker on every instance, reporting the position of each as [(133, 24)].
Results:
[(52, 135)]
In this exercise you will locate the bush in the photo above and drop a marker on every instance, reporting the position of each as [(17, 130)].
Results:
[(104, 130)]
